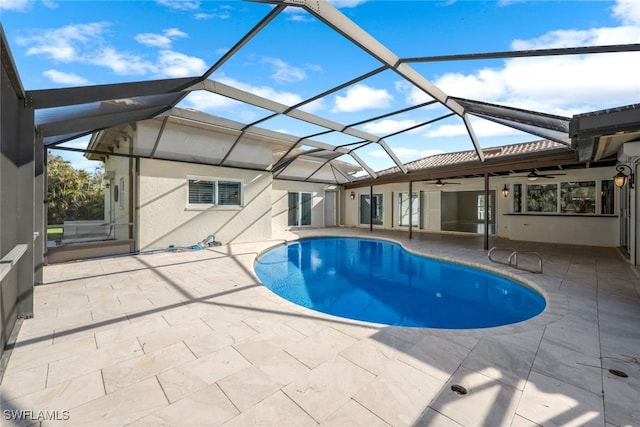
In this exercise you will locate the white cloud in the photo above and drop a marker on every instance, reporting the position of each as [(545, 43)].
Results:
[(175, 64), (120, 63), (406, 154), (202, 16), (563, 85), (65, 44), (361, 97), (160, 40), (207, 101), (65, 78), (412, 94), (628, 11), (180, 4), (388, 126), (283, 72), (86, 44), (16, 5)]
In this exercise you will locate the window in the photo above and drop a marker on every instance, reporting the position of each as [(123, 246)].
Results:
[(481, 210), (517, 198), (211, 192), (299, 209), (228, 193), (368, 207), (573, 197), (542, 198), (606, 197), (403, 217), (578, 197)]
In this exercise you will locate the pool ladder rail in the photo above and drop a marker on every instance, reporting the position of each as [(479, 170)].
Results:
[(512, 259)]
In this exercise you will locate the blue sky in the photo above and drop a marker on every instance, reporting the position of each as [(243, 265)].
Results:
[(75, 43)]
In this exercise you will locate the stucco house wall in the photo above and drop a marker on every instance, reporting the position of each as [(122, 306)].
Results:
[(280, 204), (594, 230), (166, 219)]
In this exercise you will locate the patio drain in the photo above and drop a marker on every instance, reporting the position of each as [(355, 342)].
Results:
[(618, 373), (458, 389)]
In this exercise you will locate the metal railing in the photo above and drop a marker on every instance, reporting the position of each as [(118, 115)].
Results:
[(512, 259)]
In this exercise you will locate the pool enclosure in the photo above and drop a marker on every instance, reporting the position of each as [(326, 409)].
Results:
[(139, 124)]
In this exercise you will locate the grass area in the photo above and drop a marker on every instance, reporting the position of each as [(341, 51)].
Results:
[(54, 234)]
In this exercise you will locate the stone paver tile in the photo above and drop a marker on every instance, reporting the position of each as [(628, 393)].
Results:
[(174, 334), (207, 407), (400, 394), (352, 414), (191, 376), (431, 418), (551, 402), (505, 363), (580, 370), (247, 387), (435, 356), (220, 338), (120, 408), (123, 331), (320, 347), (130, 371), (61, 397), (328, 387), (93, 360), (488, 402), (282, 368), (36, 357), (622, 406), (370, 355), (24, 382), (276, 410)]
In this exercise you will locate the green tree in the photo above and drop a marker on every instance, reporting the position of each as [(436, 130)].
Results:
[(73, 193)]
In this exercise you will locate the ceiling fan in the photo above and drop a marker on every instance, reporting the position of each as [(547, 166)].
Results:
[(440, 183), (533, 175)]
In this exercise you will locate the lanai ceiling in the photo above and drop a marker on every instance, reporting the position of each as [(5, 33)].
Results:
[(329, 149)]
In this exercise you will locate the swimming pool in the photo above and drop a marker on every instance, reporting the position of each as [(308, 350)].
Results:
[(378, 281)]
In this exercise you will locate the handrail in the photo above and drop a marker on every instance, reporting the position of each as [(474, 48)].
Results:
[(514, 264), (11, 259), (512, 259), (495, 248)]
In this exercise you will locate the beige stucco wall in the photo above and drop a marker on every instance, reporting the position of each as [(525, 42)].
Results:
[(280, 203), (582, 230), (165, 219)]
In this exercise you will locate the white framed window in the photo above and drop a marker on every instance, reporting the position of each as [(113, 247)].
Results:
[(203, 192)]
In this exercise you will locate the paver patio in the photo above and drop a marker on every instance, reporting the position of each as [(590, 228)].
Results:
[(192, 338)]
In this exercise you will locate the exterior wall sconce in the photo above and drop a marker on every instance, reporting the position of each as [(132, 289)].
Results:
[(505, 191), (352, 196), (621, 178)]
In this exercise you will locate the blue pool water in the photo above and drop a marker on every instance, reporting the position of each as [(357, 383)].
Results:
[(378, 281)]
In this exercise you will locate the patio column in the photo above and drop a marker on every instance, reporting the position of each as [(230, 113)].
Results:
[(371, 208), (410, 209), (486, 211)]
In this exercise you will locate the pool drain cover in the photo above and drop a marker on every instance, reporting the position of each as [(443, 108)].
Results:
[(458, 389), (618, 373)]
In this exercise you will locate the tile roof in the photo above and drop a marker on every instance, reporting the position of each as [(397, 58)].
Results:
[(459, 157)]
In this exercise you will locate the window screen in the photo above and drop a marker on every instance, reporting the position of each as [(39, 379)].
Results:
[(229, 193), (201, 192)]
